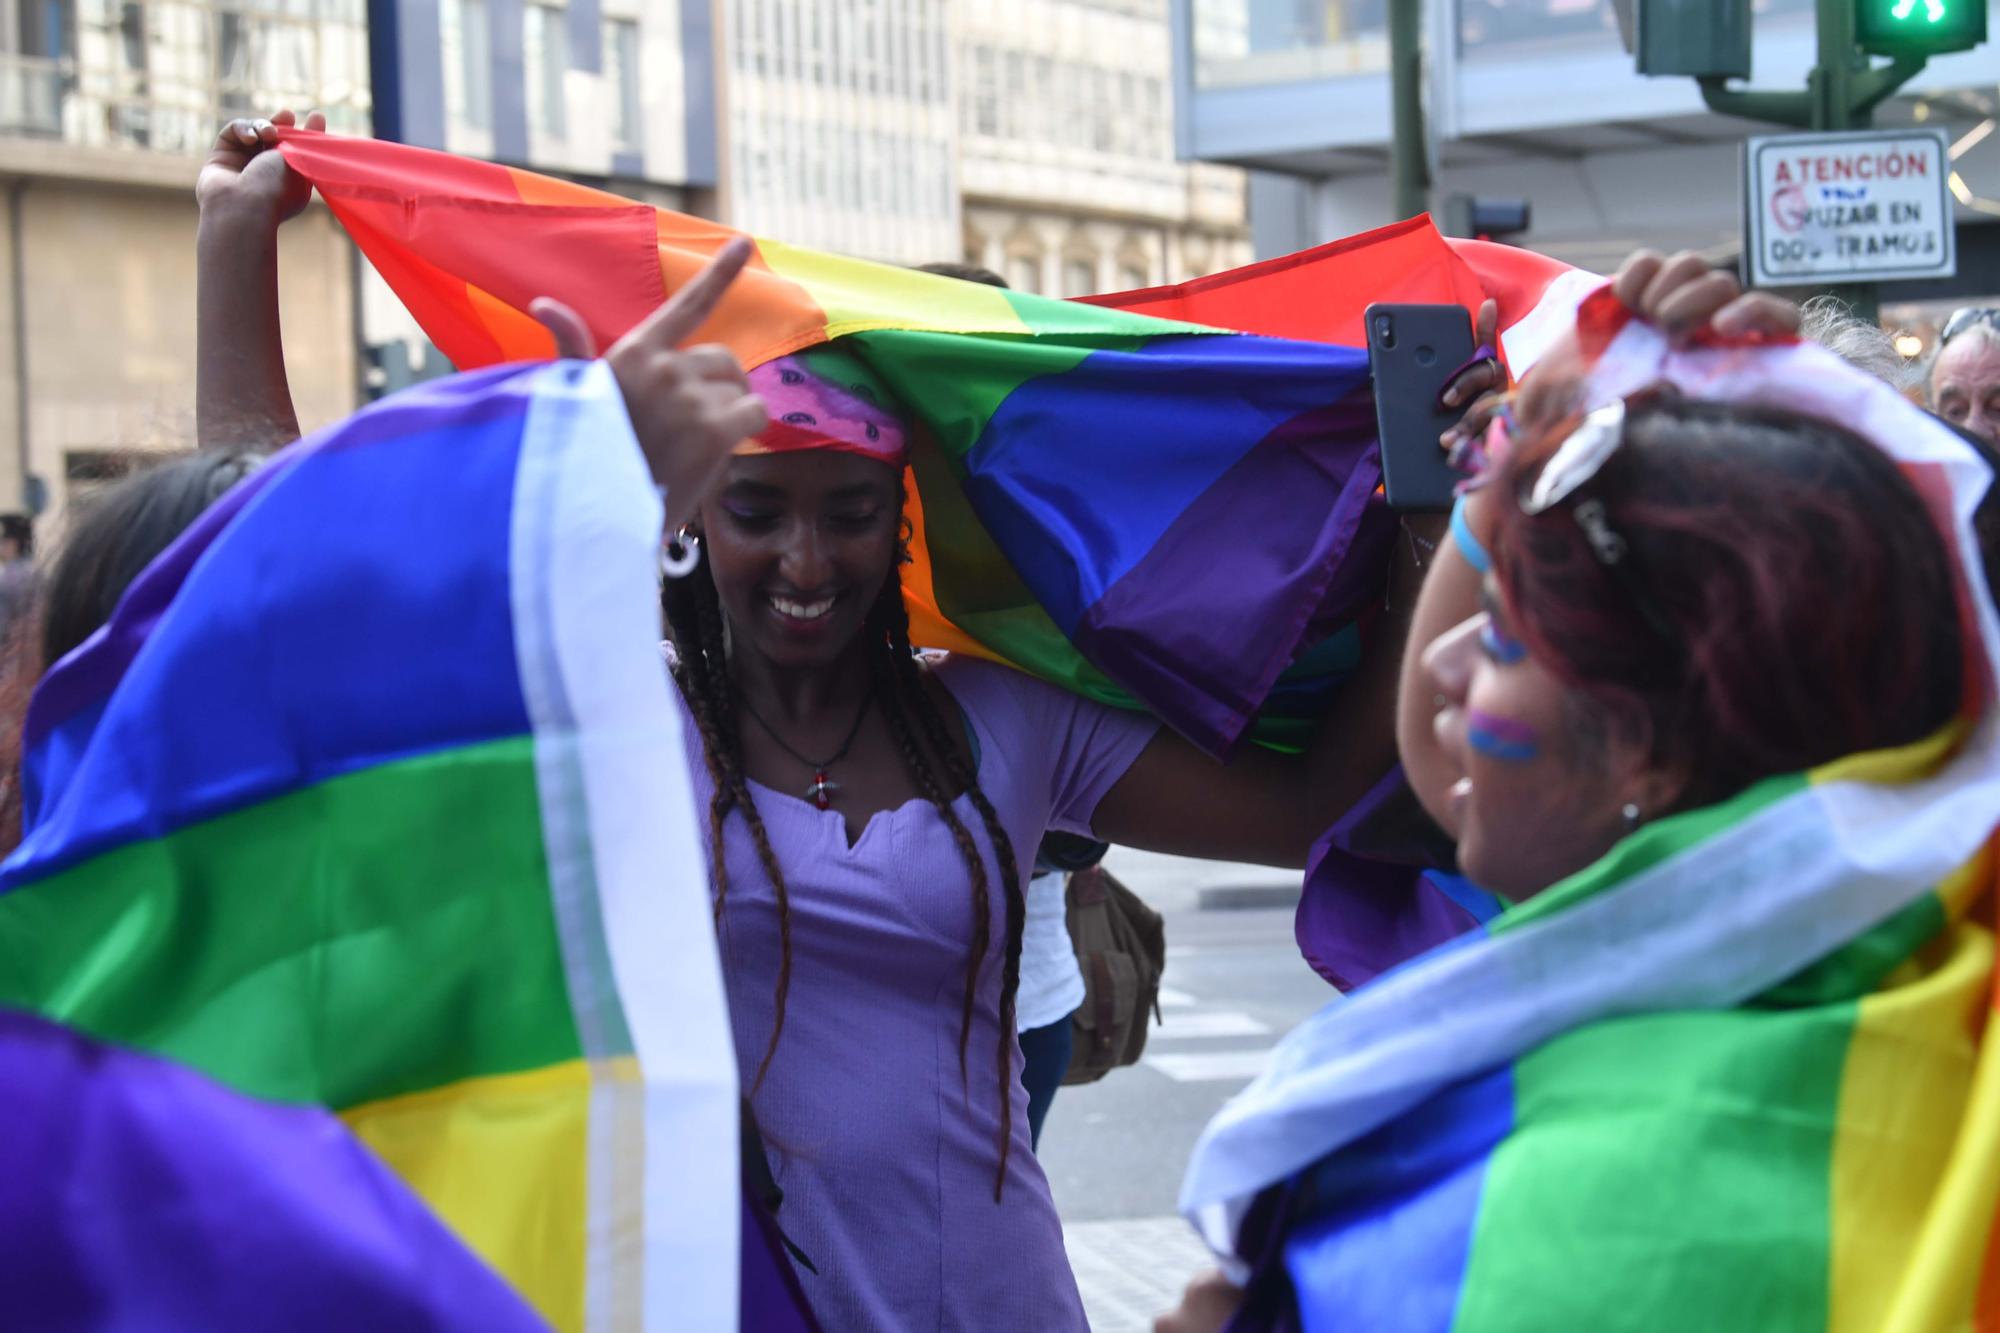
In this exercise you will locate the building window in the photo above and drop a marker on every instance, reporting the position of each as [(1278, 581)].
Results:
[(621, 68), (467, 47), (1024, 273), (1131, 277), (546, 54), (985, 93), (1079, 277)]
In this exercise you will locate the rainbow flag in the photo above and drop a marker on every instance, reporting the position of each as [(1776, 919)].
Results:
[(1151, 512), (1742, 1074), (359, 802)]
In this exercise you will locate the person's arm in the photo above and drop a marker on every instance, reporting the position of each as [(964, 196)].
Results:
[(1269, 808), (242, 394)]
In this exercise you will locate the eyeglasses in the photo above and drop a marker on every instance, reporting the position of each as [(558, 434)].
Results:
[(1967, 316)]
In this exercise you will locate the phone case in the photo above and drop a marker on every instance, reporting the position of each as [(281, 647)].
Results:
[(1413, 351)]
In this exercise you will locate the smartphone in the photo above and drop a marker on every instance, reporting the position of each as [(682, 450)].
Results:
[(1413, 351)]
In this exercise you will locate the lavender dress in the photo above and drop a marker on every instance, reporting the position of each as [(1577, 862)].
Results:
[(887, 1160)]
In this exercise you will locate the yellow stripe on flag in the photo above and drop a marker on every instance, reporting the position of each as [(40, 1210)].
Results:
[(857, 295), (503, 1160), (1916, 1152)]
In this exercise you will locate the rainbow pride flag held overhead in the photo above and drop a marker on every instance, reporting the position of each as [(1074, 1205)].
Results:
[(1150, 512), (359, 802), (1741, 1074)]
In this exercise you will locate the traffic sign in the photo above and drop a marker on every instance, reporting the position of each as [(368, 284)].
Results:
[(1867, 206)]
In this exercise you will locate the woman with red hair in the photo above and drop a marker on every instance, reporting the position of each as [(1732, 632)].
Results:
[(1703, 688)]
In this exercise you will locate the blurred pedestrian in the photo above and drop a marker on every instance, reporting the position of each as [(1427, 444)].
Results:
[(1965, 376)]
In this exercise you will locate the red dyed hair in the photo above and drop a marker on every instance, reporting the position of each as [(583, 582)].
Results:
[(1785, 597)]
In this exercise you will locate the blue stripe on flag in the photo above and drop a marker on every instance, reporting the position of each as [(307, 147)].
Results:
[(327, 585), (1387, 1247), (1165, 423)]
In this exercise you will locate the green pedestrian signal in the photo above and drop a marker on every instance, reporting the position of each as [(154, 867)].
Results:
[(1919, 27)]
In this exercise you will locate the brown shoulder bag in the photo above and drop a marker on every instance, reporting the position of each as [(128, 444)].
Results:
[(1121, 945)]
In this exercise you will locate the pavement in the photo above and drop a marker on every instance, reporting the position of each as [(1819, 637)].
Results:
[(1114, 1150)]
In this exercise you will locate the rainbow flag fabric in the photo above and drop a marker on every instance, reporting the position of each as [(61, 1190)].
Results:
[(358, 802), (142, 1195), (1150, 512), (1742, 1074)]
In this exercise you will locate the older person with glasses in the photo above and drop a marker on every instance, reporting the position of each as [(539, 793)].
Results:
[(1965, 375)]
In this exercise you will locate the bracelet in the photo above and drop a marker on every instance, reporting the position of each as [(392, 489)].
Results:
[(1468, 544)]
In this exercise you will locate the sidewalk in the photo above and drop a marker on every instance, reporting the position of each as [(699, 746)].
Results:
[(1133, 1271)]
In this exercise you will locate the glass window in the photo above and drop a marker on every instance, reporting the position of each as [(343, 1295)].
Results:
[(546, 55), (621, 71), (1131, 277), (985, 95), (467, 48), (1272, 41), (1024, 273), (1079, 277)]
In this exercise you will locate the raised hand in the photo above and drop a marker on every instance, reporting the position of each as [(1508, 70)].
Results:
[(242, 172), (1685, 294), (690, 407)]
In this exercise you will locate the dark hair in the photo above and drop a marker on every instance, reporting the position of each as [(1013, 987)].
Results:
[(19, 529), (1784, 598), (946, 268), (694, 617), (116, 532)]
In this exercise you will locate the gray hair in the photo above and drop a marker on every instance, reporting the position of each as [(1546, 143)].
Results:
[(1867, 346), (1979, 331)]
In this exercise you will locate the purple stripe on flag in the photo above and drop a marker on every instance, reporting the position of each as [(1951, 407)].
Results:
[(142, 1195), (1288, 541)]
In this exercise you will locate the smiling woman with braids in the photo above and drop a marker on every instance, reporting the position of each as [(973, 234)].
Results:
[(868, 811)]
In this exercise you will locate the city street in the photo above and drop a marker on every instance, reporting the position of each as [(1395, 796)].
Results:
[(1114, 1150)]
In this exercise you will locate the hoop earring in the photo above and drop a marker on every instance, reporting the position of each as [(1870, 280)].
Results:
[(679, 554)]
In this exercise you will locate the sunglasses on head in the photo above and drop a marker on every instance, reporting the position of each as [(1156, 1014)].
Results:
[(1965, 318)]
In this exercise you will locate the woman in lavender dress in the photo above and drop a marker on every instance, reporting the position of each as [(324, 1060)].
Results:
[(871, 819)]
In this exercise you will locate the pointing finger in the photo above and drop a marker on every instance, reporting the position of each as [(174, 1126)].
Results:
[(689, 308)]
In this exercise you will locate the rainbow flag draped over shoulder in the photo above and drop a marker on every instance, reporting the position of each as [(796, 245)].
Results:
[(1151, 513), (369, 798), (1742, 1074)]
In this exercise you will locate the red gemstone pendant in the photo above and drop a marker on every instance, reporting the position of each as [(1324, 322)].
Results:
[(822, 790)]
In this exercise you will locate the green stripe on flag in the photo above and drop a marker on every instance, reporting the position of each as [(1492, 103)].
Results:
[(1047, 315), (955, 382), (1657, 1146), (375, 934)]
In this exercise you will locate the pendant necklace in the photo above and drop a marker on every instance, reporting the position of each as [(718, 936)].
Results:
[(823, 789)]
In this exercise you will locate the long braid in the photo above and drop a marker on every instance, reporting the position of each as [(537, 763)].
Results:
[(963, 775), (694, 613)]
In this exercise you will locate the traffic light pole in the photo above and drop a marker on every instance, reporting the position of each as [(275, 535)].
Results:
[(1842, 92), (1408, 159)]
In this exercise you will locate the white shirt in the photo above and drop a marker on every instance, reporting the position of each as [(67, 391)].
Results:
[(1051, 982)]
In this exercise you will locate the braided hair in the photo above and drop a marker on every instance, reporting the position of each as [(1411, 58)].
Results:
[(695, 619)]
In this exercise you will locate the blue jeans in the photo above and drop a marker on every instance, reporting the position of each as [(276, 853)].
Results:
[(1044, 1059)]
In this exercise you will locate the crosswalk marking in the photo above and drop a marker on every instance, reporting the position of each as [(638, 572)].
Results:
[(1174, 999), (1208, 1066), (1223, 1023)]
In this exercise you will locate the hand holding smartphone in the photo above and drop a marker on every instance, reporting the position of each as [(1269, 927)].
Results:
[(1413, 352)]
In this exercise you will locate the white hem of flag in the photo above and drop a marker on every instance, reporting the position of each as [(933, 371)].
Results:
[(616, 791)]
